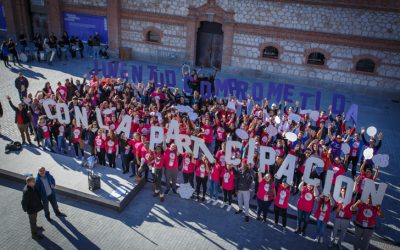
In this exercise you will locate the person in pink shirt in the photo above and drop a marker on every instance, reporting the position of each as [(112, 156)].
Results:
[(220, 156), (338, 168), (228, 185), (208, 132), (61, 91), (365, 173), (188, 165), (111, 148), (266, 194), (342, 219), (100, 145), (158, 166), (145, 159), (322, 214), (215, 177), (202, 170), (171, 167), (281, 203), (365, 222), (305, 205)]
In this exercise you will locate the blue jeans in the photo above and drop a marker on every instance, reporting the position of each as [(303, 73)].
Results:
[(47, 143), (321, 225), (96, 50), (302, 216), (213, 189), (61, 143), (122, 154)]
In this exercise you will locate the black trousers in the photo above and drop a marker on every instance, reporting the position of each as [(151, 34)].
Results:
[(201, 182), (111, 160), (280, 211), (354, 161), (53, 201), (102, 156), (228, 196), (188, 178), (144, 169), (32, 223)]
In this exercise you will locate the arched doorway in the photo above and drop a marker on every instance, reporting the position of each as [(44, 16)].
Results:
[(210, 39)]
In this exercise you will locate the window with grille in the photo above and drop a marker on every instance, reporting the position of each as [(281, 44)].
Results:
[(316, 58)]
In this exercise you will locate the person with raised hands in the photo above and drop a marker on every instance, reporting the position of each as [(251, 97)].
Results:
[(266, 194), (322, 215), (365, 222), (281, 203), (305, 206)]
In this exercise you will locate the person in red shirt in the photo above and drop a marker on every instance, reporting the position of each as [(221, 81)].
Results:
[(111, 148), (305, 205), (208, 132), (171, 167), (76, 136), (188, 166), (158, 166), (215, 178), (365, 222), (365, 173), (145, 159), (322, 214), (228, 185), (202, 170), (342, 219), (281, 203), (100, 145), (266, 194)]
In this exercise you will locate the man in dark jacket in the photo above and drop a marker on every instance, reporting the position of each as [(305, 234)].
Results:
[(244, 179), (22, 119), (31, 204), (22, 84), (45, 185)]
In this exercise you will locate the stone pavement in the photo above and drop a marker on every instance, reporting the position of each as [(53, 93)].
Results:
[(146, 224), (379, 111)]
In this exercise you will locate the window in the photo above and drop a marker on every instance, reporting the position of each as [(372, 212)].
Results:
[(316, 58), (365, 65), (153, 36), (270, 52)]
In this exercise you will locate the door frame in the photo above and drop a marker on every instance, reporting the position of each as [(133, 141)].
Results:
[(210, 12)]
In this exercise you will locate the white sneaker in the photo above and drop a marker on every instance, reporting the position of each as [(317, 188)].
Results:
[(316, 239), (228, 208), (215, 202), (209, 200), (222, 205)]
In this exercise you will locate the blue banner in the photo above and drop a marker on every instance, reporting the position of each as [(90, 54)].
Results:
[(3, 24), (83, 26)]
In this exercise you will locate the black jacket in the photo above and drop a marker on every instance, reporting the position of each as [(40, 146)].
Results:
[(24, 112), (21, 81), (244, 179), (31, 202)]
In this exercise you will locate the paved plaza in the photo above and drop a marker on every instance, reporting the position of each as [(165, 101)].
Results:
[(178, 223)]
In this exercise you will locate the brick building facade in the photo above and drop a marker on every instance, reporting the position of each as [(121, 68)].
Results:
[(345, 41)]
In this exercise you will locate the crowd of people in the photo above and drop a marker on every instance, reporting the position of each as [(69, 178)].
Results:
[(47, 48), (155, 105)]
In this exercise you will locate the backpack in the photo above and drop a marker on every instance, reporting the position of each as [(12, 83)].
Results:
[(13, 146)]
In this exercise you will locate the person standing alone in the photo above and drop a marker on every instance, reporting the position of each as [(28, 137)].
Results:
[(22, 84), (22, 120), (45, 185), (31, 204)]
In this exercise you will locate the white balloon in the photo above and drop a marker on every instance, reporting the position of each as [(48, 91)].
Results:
[(291, 136), (368, 153), (294, 117), (305, 111), (193, 116), (277, 120), (371, 131), (345, 148), (314, 115), (271, 130), (242, 134)]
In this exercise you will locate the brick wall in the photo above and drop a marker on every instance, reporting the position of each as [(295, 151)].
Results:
[(339, 64), (95, 3), (176, 7), (348, 21), (172, 44)]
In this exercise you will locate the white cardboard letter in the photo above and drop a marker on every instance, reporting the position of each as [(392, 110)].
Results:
[(81, 117), (60, 109), (228, 152), (264, 160), (125, 125), (156, 139), (376, 195), (287, 168), (308, 168), (338, 186)]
